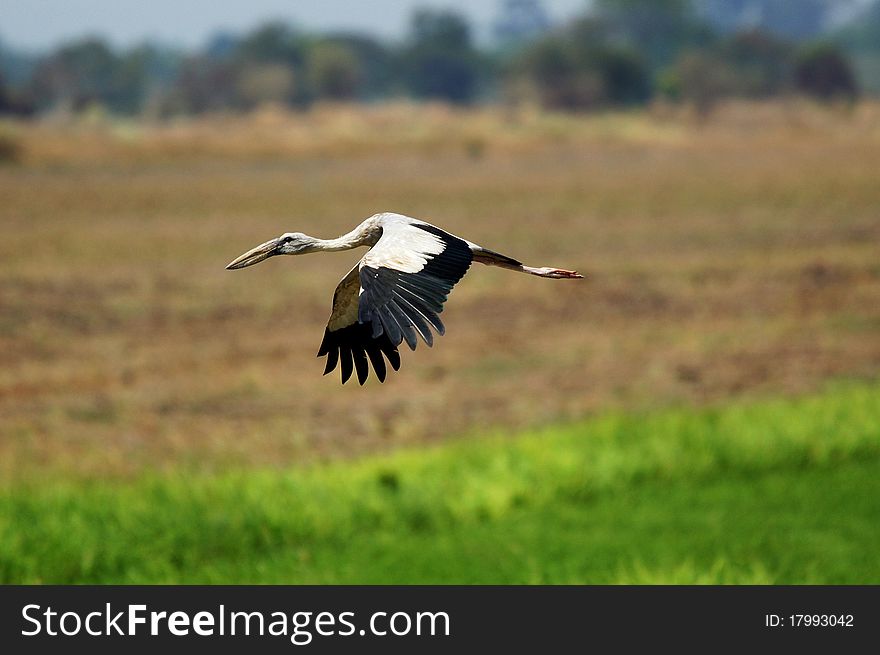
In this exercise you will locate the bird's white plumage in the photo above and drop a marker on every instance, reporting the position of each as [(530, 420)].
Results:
[(402, 247)]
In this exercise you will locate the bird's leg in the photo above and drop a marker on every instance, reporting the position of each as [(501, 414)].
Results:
[(492, 258), (554, 273)]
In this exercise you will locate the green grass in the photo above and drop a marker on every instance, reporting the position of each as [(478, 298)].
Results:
[(782, 491)]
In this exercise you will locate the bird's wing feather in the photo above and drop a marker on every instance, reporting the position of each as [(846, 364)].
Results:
[(348, 343), (406, 278), (345, 301), (394, 294)]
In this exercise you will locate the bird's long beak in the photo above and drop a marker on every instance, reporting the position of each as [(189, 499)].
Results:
[(255, 255)]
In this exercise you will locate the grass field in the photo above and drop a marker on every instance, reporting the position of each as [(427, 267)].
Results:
[(769, 492), (172, 416)]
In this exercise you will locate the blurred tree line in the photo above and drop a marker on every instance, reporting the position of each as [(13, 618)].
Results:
[(618, 53)]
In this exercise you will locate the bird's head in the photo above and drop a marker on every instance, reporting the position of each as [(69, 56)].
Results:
[(290, 243)]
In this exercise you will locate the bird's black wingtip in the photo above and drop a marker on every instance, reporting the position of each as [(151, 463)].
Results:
[(353, 348)]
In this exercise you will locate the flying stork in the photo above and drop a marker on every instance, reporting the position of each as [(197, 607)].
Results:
[(395, 292)]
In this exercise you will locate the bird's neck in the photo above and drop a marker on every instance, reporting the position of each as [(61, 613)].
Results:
[(363, 235), (335, 245)]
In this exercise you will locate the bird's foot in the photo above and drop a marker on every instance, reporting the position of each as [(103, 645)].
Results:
[(554, 273)]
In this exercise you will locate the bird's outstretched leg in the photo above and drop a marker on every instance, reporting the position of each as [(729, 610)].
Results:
[(492, 258)]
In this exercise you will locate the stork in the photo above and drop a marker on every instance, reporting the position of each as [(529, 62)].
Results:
[(395, 293)]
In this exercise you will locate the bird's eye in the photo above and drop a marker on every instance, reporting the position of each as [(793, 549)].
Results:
[(286, 239)]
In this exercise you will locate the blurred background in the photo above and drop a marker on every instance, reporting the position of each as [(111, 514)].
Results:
[(703, 408), (170, 60)]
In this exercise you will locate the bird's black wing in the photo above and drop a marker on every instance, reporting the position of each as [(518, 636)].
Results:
[(403, 291), (399, 288), (348, 343)]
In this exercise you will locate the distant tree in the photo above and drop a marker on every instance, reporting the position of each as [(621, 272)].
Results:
[(520, 21), (440, 60), (6, 104), (823, 72), (578, 68), (138, 73), (16, 67), (760, 64), (625, 78), (700, 79), (375, 62), (750, 64), (258, 84), (202, 85), (88, 71), (552, 67), (440, 29), (657, 29), (14, 102), (77, 74), (273, 42), (333, 71), (756, 64), (860, 39)]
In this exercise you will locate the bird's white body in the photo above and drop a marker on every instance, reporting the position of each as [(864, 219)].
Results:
[(395, 292)]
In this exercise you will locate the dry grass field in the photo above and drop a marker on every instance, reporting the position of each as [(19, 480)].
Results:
[(735, 257)]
